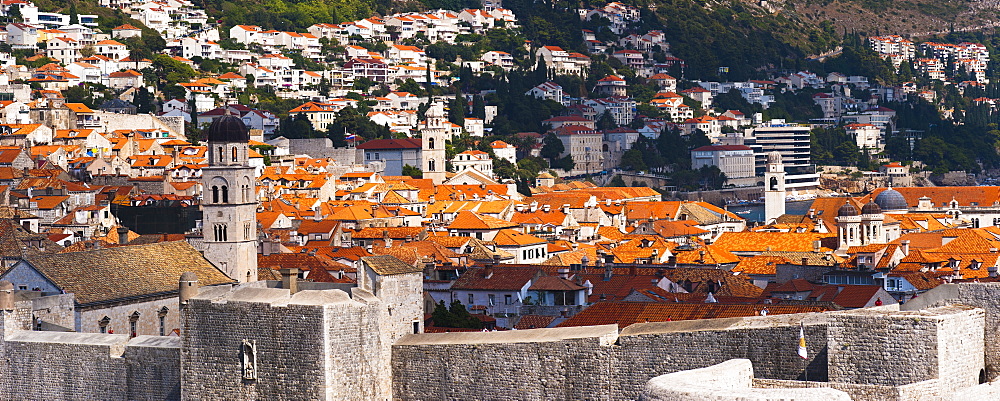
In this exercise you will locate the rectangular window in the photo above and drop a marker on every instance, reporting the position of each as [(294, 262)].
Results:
[(492, 299), (471, 299), (507, 299)]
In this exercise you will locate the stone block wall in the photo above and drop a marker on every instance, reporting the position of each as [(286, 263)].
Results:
[(313, 345), (289, 340), (889, 348), (153, 368), (550, 366), (980, 295), (726, 381), (76, 366)]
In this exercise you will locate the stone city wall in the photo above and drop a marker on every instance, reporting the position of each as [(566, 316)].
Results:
[(921, 391), (980, 295), (730, 380), (67, 366), (596, 361), (316, 345)]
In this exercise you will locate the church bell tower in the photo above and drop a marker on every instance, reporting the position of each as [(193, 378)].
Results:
[(229, 201), (774, 188), (433, 137)]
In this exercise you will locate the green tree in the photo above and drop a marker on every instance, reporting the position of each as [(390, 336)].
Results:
[(143, 101), (632, 160), (455, 317), (478, 107), (74, 16), (456, 110), (414, 172), (552, 147)]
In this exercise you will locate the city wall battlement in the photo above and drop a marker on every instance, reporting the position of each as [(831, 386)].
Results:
[(254, 343)]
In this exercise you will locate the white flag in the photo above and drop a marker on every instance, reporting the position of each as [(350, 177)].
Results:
[(802, 342)]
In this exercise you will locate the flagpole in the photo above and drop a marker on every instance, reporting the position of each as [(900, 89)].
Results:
[(803, 353)]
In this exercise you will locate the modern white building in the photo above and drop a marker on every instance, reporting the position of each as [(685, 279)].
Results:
[(735, 161)]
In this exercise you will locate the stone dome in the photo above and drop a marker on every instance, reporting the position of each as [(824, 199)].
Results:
[(871, 208), (773, 157), (847, 210), (891, 199), (228, 128)]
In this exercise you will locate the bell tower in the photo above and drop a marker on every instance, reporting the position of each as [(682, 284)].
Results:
[(774, 188), (433, 137), (229, 200)]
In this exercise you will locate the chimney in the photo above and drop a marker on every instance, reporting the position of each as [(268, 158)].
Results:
[(608, 272), (905, 246), (992, 270), (546, 208), (122, 235), (290, 279), (496, 259), (6, 295), (564, 273), (488, 273), (187, 287), (318, 214), (265, 247), (519, 207), (431, 200), (533, 207), (816, 245), (565, 208), (805, 261)]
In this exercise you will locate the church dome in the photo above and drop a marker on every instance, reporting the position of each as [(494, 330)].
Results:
[(891, 199), (228, 128), (871, 208), (847, 210)]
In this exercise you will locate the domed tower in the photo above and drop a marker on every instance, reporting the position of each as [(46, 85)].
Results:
[(891, 201), (774, 188), (848, 227), (871, 224), (229, 200), (433, 137)]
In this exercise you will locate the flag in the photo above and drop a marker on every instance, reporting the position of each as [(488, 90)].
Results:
[(802, 342)]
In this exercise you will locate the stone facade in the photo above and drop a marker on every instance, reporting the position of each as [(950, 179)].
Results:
[(321, 345), (257, 343), (943, 343), (729, 380), (549, 365)]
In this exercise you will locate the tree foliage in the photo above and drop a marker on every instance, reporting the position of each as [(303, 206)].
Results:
[(455, 317)]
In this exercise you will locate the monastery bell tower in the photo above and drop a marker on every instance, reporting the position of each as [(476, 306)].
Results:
[(229, 202), (774, 188), (433, 137)]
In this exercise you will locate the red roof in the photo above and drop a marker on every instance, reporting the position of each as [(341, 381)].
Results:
[(628, 313), (499, 278)]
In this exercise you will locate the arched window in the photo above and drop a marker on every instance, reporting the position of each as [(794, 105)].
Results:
[(162, 315), (103, 324), (430, 143), (430, 165), (215, 194), (133, 324), (225, 194), (221, 154), (235, 152), (774, 184)]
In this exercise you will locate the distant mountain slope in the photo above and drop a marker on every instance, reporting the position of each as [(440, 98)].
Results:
[(910, 17)]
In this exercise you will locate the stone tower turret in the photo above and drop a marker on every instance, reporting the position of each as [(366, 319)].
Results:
[(433, 136), (774, 188), (230, 200)]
